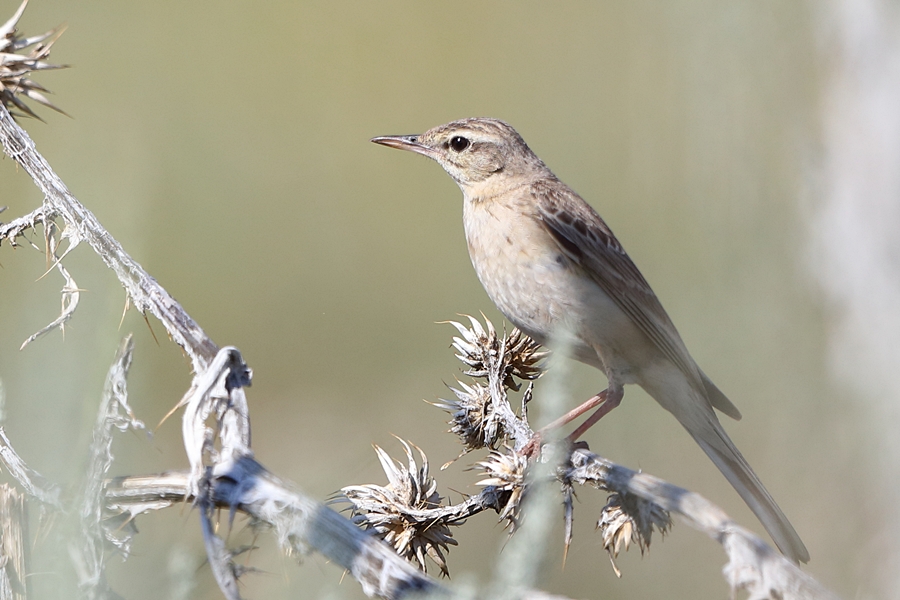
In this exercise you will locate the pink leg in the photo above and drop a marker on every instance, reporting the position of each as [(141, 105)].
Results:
[(612, 398), (598, 400), (606, 400)]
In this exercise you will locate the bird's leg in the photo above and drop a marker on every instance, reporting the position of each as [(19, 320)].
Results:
[(534, 444), (598, 400), (612, 398)]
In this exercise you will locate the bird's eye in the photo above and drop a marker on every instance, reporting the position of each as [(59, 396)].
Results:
[(459, 143)]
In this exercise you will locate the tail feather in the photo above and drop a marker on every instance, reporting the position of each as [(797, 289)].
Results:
[(718, 399), (719, 447), (693, 408)]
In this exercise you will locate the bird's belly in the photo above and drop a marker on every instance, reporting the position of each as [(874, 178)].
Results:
[(542, 293)]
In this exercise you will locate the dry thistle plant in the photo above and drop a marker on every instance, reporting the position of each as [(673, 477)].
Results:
[(19, 58), (506, 471), (400, 513), (408, 513), (477, 419), (628, 519)]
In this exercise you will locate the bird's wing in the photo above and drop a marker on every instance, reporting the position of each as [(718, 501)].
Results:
[(586, 239)]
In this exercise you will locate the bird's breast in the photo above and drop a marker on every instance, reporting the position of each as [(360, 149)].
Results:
[(521, 268), (538, 288)]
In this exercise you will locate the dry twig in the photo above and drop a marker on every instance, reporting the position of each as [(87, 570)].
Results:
[(13, 542)]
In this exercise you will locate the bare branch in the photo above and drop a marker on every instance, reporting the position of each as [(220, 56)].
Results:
[(300, 523), (114, 413), (70, 292), (217, 391), (31, 481), (81, 225), (220, 562), (12, 544), (753, 565), (299, 520), (17, 227)]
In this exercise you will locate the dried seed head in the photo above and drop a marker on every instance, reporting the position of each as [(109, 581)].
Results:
[(394, 512), (19, 58), (506, 472), (474, 419), (626, 518), (478, 348), (483, 352), (524, 356)]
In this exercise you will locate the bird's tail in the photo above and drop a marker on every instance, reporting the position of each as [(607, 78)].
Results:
[(696, 415), (739, 474)]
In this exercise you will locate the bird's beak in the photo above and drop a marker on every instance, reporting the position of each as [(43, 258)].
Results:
[(406, 142)]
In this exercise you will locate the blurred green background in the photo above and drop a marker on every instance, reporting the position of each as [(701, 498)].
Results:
[(225, 145)]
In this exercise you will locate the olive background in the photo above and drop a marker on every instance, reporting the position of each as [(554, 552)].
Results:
[(225, 145)]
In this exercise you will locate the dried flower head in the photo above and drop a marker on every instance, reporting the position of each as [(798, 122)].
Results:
[(524, 356), (474, 419), (402, 513), (482, 350), (627, 518), (506, 472), (19, 58)]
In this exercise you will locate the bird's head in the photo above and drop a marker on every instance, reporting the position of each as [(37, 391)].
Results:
[(477, 153)]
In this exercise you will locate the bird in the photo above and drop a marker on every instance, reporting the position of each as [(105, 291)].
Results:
[(551, 264)]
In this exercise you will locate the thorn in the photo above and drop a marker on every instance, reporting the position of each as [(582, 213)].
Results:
[(125, 310), (147, 321), (168, 414)]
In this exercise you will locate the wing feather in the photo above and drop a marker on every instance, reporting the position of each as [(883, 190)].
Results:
[(583, 235)]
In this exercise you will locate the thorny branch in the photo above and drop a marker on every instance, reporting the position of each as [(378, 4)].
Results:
[(81, 225), (19, 227), (220, 452), (408, 513), (13, 541), (217, 392), (638, 503), (35, 484), (97, 535), (70, 292), (753, 565)]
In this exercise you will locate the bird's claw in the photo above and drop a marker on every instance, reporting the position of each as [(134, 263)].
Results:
[(532, 449)]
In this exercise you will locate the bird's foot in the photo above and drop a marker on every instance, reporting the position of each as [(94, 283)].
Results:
[(605, 401), (535, 446), (532, 449)]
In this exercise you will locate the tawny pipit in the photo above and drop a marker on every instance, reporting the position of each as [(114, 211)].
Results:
[(549, 262)]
